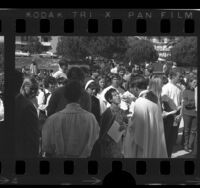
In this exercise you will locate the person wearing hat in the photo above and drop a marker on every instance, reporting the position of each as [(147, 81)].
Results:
[(91, 88)]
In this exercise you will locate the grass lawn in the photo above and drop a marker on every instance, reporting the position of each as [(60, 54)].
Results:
[(43, 63), (52, 64)]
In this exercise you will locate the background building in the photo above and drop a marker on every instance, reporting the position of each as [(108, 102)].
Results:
[(163, 46), (49, 43)]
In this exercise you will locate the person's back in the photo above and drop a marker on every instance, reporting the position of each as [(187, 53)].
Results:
[(173, 92), (73, 131), (148, 137), (58, 101)]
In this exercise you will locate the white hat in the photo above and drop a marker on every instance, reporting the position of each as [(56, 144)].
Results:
[(88, 83)]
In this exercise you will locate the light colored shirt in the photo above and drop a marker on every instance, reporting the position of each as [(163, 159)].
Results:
[(195, 98), (33, 69), (59, 74), (41, 100), (114, 70), (1, 110), (173, 92), (70, 133)]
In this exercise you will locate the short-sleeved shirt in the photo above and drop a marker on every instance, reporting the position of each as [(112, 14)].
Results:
[(173, 92), (70, 133)]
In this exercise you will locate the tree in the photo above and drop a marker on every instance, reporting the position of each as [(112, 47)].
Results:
[(33, 45), (1, 56), (76, 48), (184, 52), (140, 51)]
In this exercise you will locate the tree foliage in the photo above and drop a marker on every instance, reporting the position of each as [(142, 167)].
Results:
[(33, 46), (140, 51), (79, 47), (1, 56), (184, 53), (118, 48)]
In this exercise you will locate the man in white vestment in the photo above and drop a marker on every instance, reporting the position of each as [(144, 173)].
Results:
[(145, 135)]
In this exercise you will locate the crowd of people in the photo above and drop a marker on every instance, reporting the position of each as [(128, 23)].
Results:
[(113, 111)]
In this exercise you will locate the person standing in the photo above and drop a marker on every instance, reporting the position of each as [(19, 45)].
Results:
[(26, 120), (44, 97), (174, 94), (71, 132), (115, 81), (58, 101), (62, 72), (110, 143), (189, 115), (145, 136), (91, 88), (34, 68)]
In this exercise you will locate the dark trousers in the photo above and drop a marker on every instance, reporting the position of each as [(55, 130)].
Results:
[(190, 130), (171, 133), (168, 128)]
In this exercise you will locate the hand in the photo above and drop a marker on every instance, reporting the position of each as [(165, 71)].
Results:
[(164, 114), (178, 108), (177, 118), (122, 127)]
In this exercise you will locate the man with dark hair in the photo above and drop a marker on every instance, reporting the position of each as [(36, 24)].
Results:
[(86, 72), (62, 72), (115, 81), (114, 119), (58, 101), (138, 84), (71, 132)]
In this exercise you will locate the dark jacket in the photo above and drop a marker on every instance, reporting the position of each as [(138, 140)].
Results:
[(58, 101), (96, 108), (26, 128)]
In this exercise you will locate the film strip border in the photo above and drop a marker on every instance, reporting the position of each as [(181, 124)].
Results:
[(144, 171), (98, 22), (101, 22)]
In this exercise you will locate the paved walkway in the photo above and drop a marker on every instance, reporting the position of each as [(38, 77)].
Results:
[(178, 151)]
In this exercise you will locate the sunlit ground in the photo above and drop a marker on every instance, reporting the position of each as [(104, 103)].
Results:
[(178, 151)]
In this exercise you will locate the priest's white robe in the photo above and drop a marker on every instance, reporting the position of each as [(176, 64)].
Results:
[(145, 136)]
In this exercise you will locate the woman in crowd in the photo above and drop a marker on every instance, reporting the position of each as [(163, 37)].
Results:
[(26, 120), (101, 84), (91, 88), (189, 114)]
